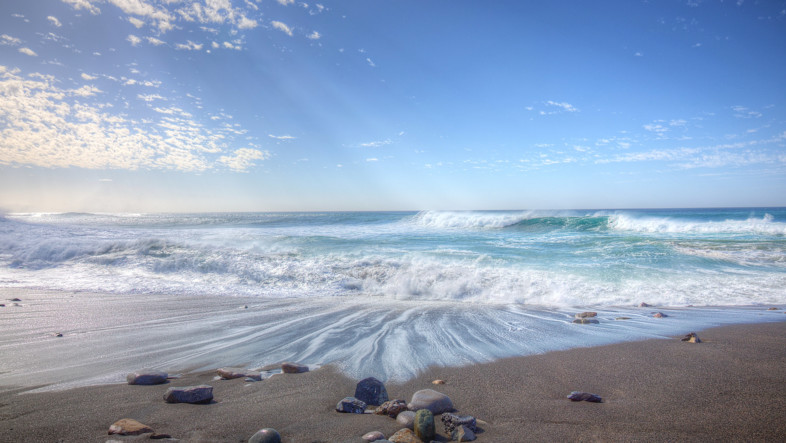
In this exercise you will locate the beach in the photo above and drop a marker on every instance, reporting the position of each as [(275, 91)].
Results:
[(484, 300), (729, 387)]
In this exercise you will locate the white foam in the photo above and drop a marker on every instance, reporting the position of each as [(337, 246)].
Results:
[(762, 226)]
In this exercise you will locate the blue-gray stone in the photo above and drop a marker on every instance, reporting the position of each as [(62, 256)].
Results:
[(201, 394), (584, 396), (351, 405), (371, 391)]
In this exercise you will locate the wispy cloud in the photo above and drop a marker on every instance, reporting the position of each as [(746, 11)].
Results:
[(281, 137), (243, 159), (282, 27), (83, 4), (376, 144), (49, 126), (567, 107), (7, 40), (28, 51), (88, 76), (189, 46), (134, 40), (370, 62), (55, 22), (315, 35)]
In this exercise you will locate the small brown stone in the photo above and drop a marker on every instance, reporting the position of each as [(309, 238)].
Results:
[(128, 426), (659, 315), (438, 382), (644, 305), (405, 436), (293, 368), (586, 314), (772, 309), (391, 408)]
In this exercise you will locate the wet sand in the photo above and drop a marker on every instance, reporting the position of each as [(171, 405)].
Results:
[(731, 387)]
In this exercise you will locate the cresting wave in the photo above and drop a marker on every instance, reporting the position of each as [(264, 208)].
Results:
[(536, 258)]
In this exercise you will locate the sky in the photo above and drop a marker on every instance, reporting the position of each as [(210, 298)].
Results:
[(284, 105)]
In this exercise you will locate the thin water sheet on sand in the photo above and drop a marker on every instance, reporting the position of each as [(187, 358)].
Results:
[(106, 336)]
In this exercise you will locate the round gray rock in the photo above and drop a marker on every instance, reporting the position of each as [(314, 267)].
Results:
[(434, 401), (267, 435), (406, 419)]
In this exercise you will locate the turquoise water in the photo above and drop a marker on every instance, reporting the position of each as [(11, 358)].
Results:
[(700, 257)]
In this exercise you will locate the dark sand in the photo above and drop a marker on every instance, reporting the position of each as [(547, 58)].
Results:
[(732, 387)]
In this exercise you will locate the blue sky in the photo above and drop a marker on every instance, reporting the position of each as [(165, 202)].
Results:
[(267, 105)]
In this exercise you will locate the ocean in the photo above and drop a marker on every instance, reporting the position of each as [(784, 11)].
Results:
[(364, 289)]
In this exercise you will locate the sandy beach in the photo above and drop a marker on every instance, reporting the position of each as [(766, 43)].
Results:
[(729, 387)]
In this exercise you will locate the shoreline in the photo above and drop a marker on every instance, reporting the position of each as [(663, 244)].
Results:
[(729, 387)]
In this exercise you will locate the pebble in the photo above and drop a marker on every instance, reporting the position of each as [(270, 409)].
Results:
[(453, 421), (463, 433), (351, 405), (373, 436), (622, 318), (293, 368), (267, 435), (424, 425), (15, 299), (391, 408), (772, 309), (128, 426), (200, 394), (438, 382), (406, 419), (586, 321), (659, 315), (371, 391), (691, 338), (146, 377), (434, 401), (232, 373), (644, 305), (2, 305), (586, 314), (584, 396), (159, 436), (405, 436), (58, 334)]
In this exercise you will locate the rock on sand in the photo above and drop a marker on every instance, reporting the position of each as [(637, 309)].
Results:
[(129, 426), (434, 401), (147, 377), (200, 394)]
